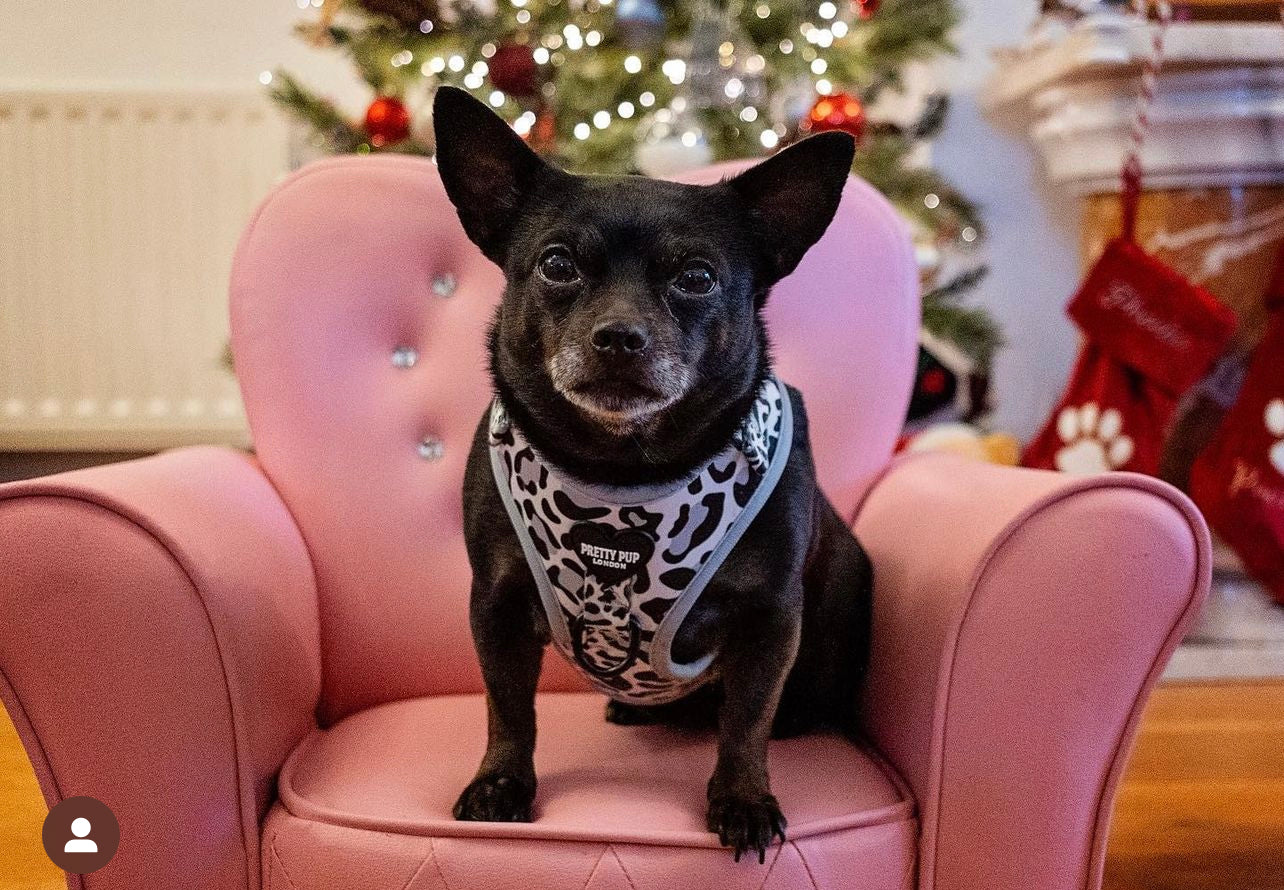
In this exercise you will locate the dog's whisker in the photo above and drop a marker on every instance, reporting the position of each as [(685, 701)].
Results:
[(642, 449)]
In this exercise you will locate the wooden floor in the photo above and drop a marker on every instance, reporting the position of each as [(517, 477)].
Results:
[(23, 864), (1202, 806)]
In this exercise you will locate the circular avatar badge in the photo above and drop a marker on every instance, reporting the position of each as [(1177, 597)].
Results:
[(80, 835)]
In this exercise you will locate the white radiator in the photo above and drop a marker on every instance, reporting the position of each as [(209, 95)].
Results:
[(119, 213)]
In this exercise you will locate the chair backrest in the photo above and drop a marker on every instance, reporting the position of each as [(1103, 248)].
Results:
[(359, 311)]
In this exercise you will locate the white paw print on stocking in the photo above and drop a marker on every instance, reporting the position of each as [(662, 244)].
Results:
[(1275, 426), (1094, 440)]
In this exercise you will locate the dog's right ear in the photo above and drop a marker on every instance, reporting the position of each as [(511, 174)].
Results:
[(487, 169)]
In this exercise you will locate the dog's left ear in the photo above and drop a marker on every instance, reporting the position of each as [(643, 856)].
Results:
[(792, 197), (487, 169)]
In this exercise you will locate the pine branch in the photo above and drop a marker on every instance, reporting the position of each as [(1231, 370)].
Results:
[(956, 287), (339, 136), (908, 30), (369, 49), (881, 161), (971, 328), (406, 13), (933, 118), (394, 56)]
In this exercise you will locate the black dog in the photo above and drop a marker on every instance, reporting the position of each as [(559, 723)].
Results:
[(629, 354)]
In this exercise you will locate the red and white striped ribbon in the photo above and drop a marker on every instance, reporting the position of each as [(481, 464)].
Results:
[(1150, 68)]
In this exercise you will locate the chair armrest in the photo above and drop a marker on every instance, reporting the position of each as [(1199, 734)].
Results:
[(1020, 620), (159, 651)]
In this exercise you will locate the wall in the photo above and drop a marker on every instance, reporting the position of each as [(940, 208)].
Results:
[(168, 43), (1033, 227)]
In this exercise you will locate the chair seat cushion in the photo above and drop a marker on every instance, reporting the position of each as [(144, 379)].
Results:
[(366, 803)]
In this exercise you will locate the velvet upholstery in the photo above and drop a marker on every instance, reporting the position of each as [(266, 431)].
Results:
[(262, 664)]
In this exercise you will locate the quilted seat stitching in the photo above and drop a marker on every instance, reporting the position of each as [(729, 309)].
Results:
[(620, 862), (432, 856), (418, 871), (806, 866), (780, 848), (593, 870), (281, 865)]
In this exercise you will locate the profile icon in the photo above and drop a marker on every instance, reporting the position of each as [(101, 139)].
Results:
[(81, 843), (80, 835)]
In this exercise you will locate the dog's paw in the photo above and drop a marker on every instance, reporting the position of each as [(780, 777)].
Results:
[(496, 799), (745, 824)]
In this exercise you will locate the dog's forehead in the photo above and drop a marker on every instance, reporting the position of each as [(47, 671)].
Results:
[(636, 202)]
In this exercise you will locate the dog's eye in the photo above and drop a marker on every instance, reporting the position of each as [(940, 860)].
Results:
[(695, 278), (557, 266)]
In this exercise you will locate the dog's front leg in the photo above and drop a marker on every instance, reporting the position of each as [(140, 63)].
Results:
[(510, 652), (755, 662)]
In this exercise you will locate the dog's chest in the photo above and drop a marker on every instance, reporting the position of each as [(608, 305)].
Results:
[(618, 572)]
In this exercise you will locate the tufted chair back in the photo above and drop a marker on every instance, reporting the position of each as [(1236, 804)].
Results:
[(359, 311)]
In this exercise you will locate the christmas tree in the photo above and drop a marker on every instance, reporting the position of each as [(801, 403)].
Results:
[(657, 87)]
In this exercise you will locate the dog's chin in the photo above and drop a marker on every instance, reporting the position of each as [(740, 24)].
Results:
[(619, 408), (621, 402)]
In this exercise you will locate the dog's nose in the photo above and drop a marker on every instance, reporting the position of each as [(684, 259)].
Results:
[(620, 337)]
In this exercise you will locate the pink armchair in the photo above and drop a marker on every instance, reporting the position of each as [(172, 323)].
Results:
[(262, 663)]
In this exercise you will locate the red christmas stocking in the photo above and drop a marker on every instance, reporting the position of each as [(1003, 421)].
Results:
[(1149, 335), (1238, 480)]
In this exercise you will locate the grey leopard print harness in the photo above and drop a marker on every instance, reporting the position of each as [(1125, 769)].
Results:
[(619, 569)]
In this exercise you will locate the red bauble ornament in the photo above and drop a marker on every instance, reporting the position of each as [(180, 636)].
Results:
[(866, 8), (837, 111), (513, 70), (387, 121)]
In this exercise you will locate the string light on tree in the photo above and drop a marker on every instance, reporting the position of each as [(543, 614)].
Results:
[(614, 86), (524, 123), (672, 141), (675, 70)]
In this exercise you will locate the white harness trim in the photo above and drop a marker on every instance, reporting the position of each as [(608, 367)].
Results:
[(619, 569)]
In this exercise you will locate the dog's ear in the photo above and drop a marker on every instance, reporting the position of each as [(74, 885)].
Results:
[(487, 169), (792, 197)]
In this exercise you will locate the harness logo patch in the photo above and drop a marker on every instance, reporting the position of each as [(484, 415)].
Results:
[(610, 555)]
